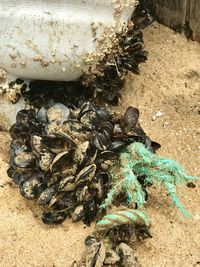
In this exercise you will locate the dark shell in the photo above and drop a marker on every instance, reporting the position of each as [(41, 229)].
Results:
[(130, 119), (62, 162), (90, 210), (82, 194), (106, 129), (58, 142), (122, 233), (19, 131), (86, 174), (100, 141), (116, 145), (90, 119), (87, 106), (142, 231), (54, 217), (32, 188), (46, 196), (64, 200), (10, 172), (22, 116), (67, 184), (25, 160), (91, 239), (103, 114)]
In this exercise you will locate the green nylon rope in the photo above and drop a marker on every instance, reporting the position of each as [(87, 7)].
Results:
[(137, 160)]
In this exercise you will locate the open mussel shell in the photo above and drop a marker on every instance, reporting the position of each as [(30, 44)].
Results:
[(58, 112), (54, 217), (86, 174), (64, 200), (67, 184), (87, 106), (32, 188), (58, 143), (64, 162)]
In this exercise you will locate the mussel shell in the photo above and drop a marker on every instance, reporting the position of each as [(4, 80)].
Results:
[(54, 217), (116, 145), (20, 177), (142, 231), (90, 240), (107, 129), (67, 184), (81, 152), (64, 200), (78, 214), (86, 174), (77, 126), (45, 160), (130, 119), (32, 188), (103, 114), (19, 131), (42, 115), (87, 106), (36, 143), (46, 196), (62, 162), (90, 119), (10, 172), (58, 112), (22, 116), (82, 193), (100, 141), (108, 155), (25, 160), (18, 147), (58, 142), (90, 210)]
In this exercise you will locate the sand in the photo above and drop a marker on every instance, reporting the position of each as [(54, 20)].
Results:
[(169, 83)]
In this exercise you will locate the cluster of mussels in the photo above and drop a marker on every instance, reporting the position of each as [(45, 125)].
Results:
[(61, 156), (98, 254), (107, 86)]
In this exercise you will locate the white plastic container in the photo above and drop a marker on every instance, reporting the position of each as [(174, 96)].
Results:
[(54, 39), (49, 39)]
